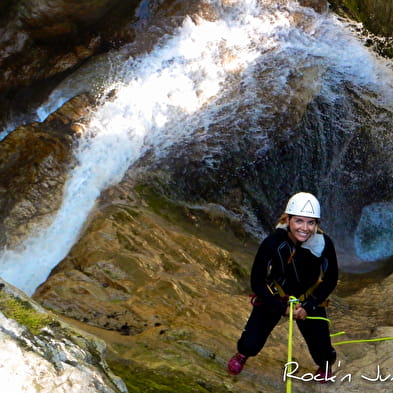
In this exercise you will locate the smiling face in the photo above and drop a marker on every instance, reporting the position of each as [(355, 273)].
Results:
[(301, 228)]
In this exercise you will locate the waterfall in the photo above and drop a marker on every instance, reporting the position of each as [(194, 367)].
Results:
[(181, 79)]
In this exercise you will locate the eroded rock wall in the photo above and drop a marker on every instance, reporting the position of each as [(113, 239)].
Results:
[(40, 353), (156, 281), (377, 18), (377, 15), (34, 162)]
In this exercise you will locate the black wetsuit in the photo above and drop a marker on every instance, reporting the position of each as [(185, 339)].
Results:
[(296, 270)]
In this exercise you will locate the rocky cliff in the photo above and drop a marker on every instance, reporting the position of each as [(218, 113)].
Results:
[(166, 287), (377, 17), (43, 42), (41, 353), (160, 270), (34, 162)]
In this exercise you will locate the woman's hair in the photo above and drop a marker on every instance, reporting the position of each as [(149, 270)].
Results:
[(285, 218)]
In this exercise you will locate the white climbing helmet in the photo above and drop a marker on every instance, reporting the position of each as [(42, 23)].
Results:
[(303, 204)]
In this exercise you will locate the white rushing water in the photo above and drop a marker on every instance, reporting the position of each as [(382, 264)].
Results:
[(157, 92)]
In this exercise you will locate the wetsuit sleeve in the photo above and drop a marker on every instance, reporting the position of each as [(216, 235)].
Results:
[(329, 280), (259, 270)]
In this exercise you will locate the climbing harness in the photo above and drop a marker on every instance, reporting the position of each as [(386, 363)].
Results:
[(291, 302), (276, 288), (302, 297)]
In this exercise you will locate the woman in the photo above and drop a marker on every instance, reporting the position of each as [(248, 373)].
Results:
[(299, 260)]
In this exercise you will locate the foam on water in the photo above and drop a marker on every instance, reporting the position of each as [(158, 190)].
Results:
[(177, 78), (157, 92)]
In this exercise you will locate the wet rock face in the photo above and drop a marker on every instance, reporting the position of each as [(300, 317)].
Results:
[(165, 281), (133, 271), (173, 305), (148, 275), (253, 174), (47, 20), (29, 178), (318, 5), (41, 354), (377, 18), (40, 39), (34, 161), (376, 14), (42, 42)]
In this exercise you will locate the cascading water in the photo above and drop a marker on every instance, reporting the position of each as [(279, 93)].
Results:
[(179, 77), (165, 95)]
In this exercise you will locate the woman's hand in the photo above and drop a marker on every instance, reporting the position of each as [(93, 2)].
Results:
[(299, 312)]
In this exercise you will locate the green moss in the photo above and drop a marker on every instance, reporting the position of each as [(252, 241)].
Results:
[(179, 214), (24, 313), (124, 215), (376, 15), (146, 380), (159, 204), (211, 225), (348, 7)]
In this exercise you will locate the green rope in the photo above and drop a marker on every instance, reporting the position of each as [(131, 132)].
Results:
[(364, 340), (369, 340), (321, 318), (337, 334), (292, 301)]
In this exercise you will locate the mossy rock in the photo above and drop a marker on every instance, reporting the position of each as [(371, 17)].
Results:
[(24, 313), (139, 379)]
